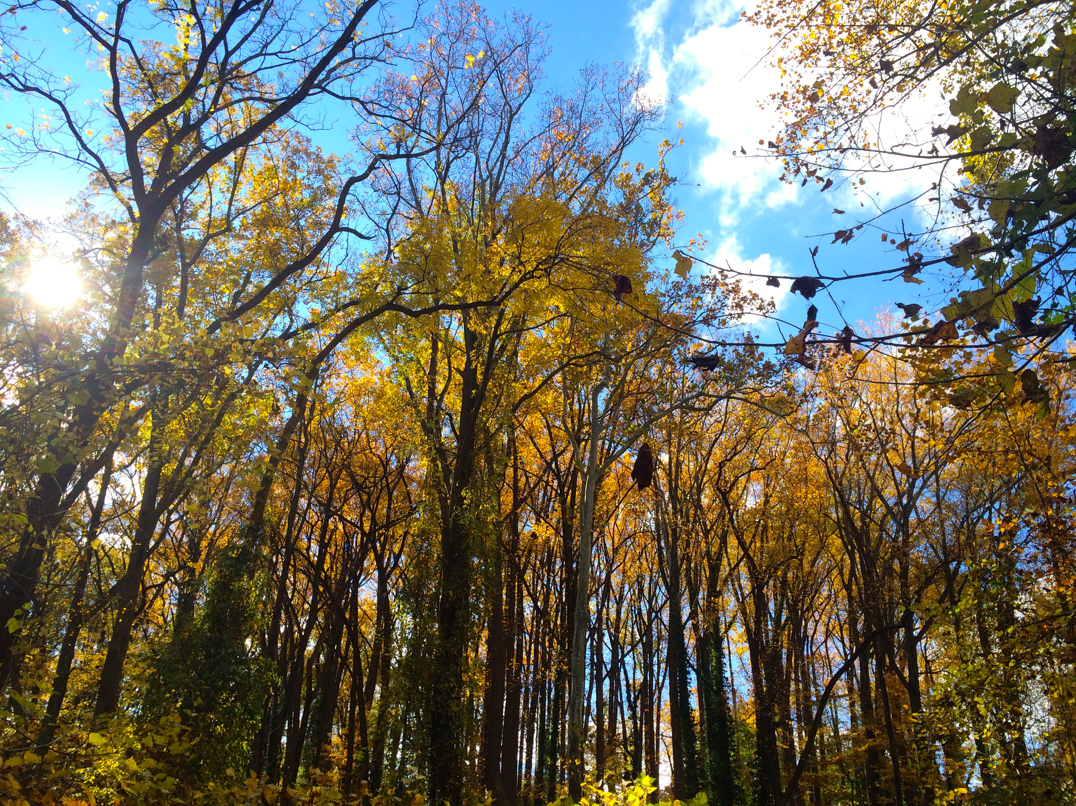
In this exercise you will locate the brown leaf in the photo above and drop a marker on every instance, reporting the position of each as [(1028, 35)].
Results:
[(909, 275), (773, 282), (1024, 314), (621, 285), (1052, 144), (706, 362), (942, 331), (911, 309), (886, 65), (1029, 382), (828, 185), (807, 286), (643, 471), (846, 339), (797, 345)]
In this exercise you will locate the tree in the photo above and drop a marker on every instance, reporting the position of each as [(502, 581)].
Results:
[(1002, 166)]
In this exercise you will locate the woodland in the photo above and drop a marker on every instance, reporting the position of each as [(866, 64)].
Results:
[(445, 469)]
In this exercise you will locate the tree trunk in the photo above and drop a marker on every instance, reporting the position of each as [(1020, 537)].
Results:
[(489, 755), (75, 618), (126, 594)]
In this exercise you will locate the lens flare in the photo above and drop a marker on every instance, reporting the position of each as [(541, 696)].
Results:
[(53, 283)]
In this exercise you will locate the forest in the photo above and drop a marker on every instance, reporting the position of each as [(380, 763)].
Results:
[(441, 465)]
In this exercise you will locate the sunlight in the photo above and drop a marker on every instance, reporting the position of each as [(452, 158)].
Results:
[(53, 283)]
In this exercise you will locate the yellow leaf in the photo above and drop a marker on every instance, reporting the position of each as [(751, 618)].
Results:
[(683, 264), (96, 739)]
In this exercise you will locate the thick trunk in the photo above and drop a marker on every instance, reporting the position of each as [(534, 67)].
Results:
[(328, 689), (714, 701)]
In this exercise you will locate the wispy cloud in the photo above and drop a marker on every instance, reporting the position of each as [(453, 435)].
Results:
[(648, 24), (719, 68)]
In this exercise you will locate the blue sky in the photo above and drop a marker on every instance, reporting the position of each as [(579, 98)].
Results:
[(705, 62)]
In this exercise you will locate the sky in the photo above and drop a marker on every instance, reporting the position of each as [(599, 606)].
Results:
[(706, 63)]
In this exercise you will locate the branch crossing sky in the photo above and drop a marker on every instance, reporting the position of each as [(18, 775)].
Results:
[(710, 67)]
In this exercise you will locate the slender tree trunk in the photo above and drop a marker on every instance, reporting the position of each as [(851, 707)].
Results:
[(127, 593), (514, 694), (591, 481), (599, 691), (493, 699), (75, 617)]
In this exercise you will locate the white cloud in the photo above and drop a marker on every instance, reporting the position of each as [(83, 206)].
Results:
[(721, 82), (647, 23), (722, 73)]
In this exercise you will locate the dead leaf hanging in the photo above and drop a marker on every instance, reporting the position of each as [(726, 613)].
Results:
[(683, 264), (706, 362), (846, 339), (1029, 383), (1023, 314), (773, 282), (797, 345), (1052, 144), (807, 286), (621, 285), (643, 471), (910, 309)]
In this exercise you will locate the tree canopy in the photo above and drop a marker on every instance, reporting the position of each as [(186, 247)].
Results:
[(432, 469)]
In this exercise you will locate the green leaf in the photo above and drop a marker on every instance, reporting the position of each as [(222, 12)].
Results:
[(998, 209), (1001, 98), (1007, 381), (1002, 356), (981, 138), (965, 103), (970, 302), (47, 464)]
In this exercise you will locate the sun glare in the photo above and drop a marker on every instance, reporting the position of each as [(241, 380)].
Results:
[(53, 283)]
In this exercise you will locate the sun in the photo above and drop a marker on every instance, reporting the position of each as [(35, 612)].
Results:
[(52, 283)]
